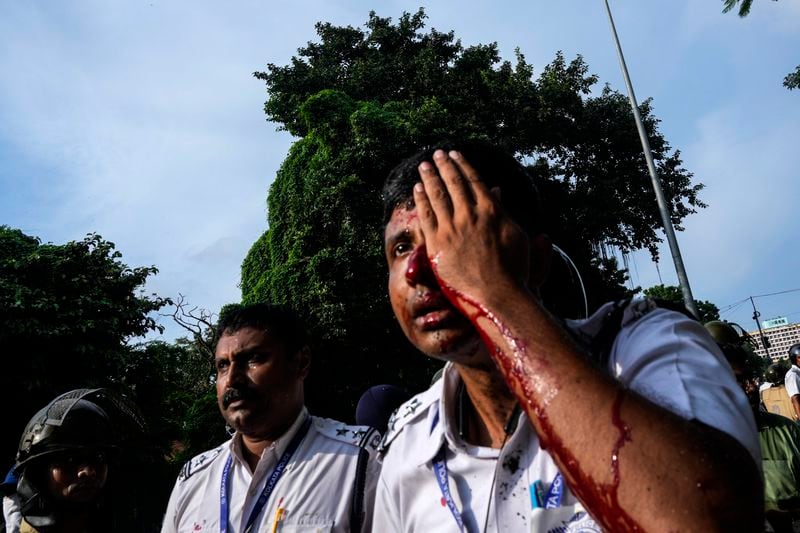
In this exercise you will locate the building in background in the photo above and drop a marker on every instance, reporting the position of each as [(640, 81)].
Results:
[(780, 335)]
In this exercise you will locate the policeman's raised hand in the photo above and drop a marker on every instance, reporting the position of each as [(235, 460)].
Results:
[(476, 250)]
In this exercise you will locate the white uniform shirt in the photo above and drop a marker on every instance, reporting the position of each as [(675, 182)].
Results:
[(316, 490), (792, 381), (659, 353), (12, 513)]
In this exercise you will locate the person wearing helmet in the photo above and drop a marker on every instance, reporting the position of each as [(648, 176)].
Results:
[(62, 465), (774, 374), (792, 380), (778, 436)]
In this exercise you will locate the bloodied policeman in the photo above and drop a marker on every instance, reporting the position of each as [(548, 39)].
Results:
[(283, 470), (630, 420)]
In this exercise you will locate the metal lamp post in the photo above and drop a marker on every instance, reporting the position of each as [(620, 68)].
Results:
[(663, 207)]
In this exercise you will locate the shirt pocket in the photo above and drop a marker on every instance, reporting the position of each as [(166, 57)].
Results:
[(306, 524)]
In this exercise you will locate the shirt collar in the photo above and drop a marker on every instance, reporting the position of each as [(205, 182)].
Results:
[(441, 420), (278, 447), (441, 416)]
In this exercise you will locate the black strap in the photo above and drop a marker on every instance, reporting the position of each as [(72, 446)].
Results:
[(359, 486), (600, 346)]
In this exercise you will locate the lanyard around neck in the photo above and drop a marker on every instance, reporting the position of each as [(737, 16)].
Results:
[(555, 493), (552, 500), (440, 471), (272, 480)]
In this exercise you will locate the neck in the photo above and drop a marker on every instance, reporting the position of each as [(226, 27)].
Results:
[(488, 406), (254, 443)]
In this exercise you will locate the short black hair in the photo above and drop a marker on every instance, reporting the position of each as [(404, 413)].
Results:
[(280, 320), (496, 167)]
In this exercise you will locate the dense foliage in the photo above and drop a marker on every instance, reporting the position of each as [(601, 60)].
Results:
[(65, 314), (673, 294), (792, 80), (359, 100)]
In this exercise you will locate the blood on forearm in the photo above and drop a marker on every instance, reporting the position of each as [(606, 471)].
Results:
[(534, 385)]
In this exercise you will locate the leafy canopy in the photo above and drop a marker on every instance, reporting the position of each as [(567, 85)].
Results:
[(360, 100)]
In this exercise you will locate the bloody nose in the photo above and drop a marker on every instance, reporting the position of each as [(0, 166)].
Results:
[(418, 270)]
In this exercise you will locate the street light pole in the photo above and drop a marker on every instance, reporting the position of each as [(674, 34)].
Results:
[(666, 220), (764, 340)]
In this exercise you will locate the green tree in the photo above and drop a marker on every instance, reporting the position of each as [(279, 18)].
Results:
[(673, 294), (168, 381), (359, 100), (66, 313), (744, 6), (792, 80), (197, 424)]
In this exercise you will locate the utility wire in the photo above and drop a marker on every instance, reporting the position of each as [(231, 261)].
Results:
[(775, 293), (734, 304), (733, 307)]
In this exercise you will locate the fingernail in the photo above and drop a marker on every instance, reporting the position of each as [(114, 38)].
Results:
[(438, 154), (455, 154), (419, 188), (425, 166)]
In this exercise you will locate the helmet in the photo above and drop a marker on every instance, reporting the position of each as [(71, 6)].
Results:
[(68, 422), (794, 351), (724, 332), (775, 373)]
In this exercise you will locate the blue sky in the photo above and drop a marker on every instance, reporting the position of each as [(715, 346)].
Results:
[(141, 121)]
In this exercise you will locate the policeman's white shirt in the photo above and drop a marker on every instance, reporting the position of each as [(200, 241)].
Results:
[(792, 381), (661, 354), (316, 491)]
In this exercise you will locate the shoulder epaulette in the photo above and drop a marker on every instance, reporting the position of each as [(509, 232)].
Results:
[(412, 409), (361, 436), (199, 462)]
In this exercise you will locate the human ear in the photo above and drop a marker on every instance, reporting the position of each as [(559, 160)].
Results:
[(303, 360)]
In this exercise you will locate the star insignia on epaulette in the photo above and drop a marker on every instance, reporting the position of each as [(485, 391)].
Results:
[(411, 407), (359, 434), (341, 432), (392, 422)]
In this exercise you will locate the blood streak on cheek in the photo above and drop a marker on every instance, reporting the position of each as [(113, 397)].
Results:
[(601, 498)]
